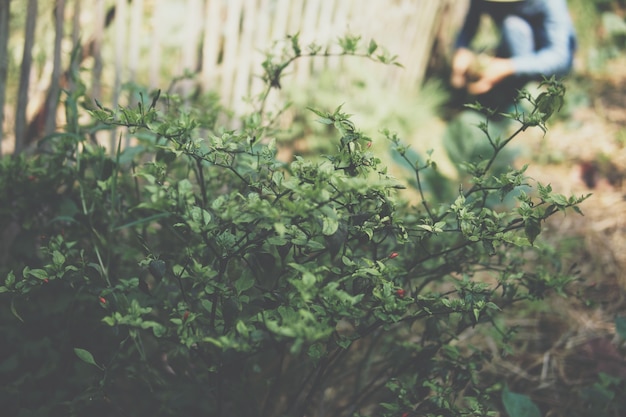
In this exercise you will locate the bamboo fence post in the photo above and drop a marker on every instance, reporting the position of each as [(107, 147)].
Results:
[(193, 27), (261, 43), (241, 85), (22, 94), (54, 91), (211, 43), (76, 23), (121, 24), (96, 86), (74, 65), (276, 33), (136, 22), (231, 47), (325, 27), (155, 46), (339, 26), (294, 25), (189, 63), (279, 24), (421, 41), (5, 12), (309, 30)]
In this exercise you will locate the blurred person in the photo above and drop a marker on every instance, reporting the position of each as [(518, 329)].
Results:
[(537, 40)]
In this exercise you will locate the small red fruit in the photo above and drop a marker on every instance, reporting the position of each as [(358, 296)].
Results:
[(186, 315), (46, 280), (103, 300), (400, 292), (393, 255)]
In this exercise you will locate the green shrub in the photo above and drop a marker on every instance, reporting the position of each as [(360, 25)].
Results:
[(194, 274)]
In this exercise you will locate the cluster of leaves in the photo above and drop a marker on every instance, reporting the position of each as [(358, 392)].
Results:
[(196, 274)]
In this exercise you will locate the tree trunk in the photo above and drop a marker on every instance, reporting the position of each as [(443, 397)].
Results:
[(27, 59), (4, 61)]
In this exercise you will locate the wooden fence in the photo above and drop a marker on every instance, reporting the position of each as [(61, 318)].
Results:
[(221, 42)]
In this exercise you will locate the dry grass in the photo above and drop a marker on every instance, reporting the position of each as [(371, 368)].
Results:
[(569, 341)]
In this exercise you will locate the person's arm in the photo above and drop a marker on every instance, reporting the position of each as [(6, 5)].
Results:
[(463, 56), (555, 57), (496, 70)]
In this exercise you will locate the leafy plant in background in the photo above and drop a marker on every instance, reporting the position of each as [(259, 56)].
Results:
[(198, 275)]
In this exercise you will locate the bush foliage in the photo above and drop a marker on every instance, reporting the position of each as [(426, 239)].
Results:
[(195, 274)]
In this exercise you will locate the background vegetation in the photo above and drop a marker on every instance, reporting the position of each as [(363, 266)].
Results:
[(186, 272)]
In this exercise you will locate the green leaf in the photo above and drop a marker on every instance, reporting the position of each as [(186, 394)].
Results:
[(245, 282), (143, 221), (157, 268), (207, 305), (242, 329), (318, 112), (372, 47), (308, 279), (532, 228), (109, 320), (10, 279), (329, 225), (519, 405), (57, 258), (620, 327), (86, 356), (14, 311), (38, 273), (325, 120)]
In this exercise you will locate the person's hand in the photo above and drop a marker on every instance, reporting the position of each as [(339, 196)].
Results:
[(461, 62), (496, 70)]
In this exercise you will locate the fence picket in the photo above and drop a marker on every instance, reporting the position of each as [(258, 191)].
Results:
[(231, 47), (156, 45), (120, 42), (54, 90), (25, 72), (4, 62), (262, 41), (211, 43), (96, 79), (134, 47), (244, 53), (324, 27)]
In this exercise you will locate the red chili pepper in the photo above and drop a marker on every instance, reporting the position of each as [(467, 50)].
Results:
[(400, 292), (186, 315), (103, 300), (369, 144), (46, 280), (405, 414), (393, 255), (32, 178)]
